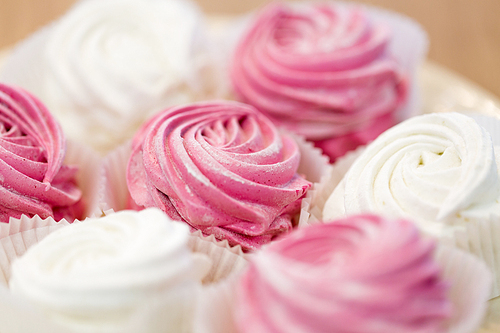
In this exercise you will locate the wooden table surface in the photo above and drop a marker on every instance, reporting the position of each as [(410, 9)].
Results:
[(464, 34)]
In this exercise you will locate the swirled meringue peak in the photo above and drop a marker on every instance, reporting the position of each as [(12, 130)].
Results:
[(220, 166), (360, 274), (109, 65), (439, 169), (95, 275), (33, 178), (323, 71)]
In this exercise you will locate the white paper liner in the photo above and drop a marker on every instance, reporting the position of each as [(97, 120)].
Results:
[(214, 313), (312, 205), (113, 191), (87, 178), (470, 287), (226, 260)]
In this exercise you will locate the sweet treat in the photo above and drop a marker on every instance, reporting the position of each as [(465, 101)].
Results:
[(326, 71), (439, 169), (360, 274), (33, 178), (109, 273), (220, 166), (106, 66)]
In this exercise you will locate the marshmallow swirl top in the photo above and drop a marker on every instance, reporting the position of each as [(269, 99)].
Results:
[(97, 273), (359, 274), (33, 179), (222, 167), (439, 169), (322, 70), (111, 64)]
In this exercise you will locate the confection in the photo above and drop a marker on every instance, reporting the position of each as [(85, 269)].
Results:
[(363, 274), (104, 274), (439, 169), (322, 70), (33, 178), (220, 166), (106, 66)]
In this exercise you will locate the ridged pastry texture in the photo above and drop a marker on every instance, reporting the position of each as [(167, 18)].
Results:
[(33, 178), (361, 274), (323, 71), (220, 166), (441, 170)]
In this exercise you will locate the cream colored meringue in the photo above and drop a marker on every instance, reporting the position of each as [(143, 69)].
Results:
[(439, 169), (101, 273), (108, 65)]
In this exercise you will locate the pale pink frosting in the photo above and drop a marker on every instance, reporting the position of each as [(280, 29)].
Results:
[(220, 166), (361, 274), (33, 179), (322, 71)]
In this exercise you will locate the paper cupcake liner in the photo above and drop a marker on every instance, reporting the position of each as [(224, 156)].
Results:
[(470, 287), (87, 179), (214, 313), (226, 260), (312, 205), (113, 191)]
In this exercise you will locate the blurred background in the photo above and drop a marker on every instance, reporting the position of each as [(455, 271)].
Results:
[(464, 34)]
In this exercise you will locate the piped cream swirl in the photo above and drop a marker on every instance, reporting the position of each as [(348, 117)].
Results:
[(33, 178), (108, 65), (322, 70), (222, 167), (99, 272), (359, 274), (434, 168)]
